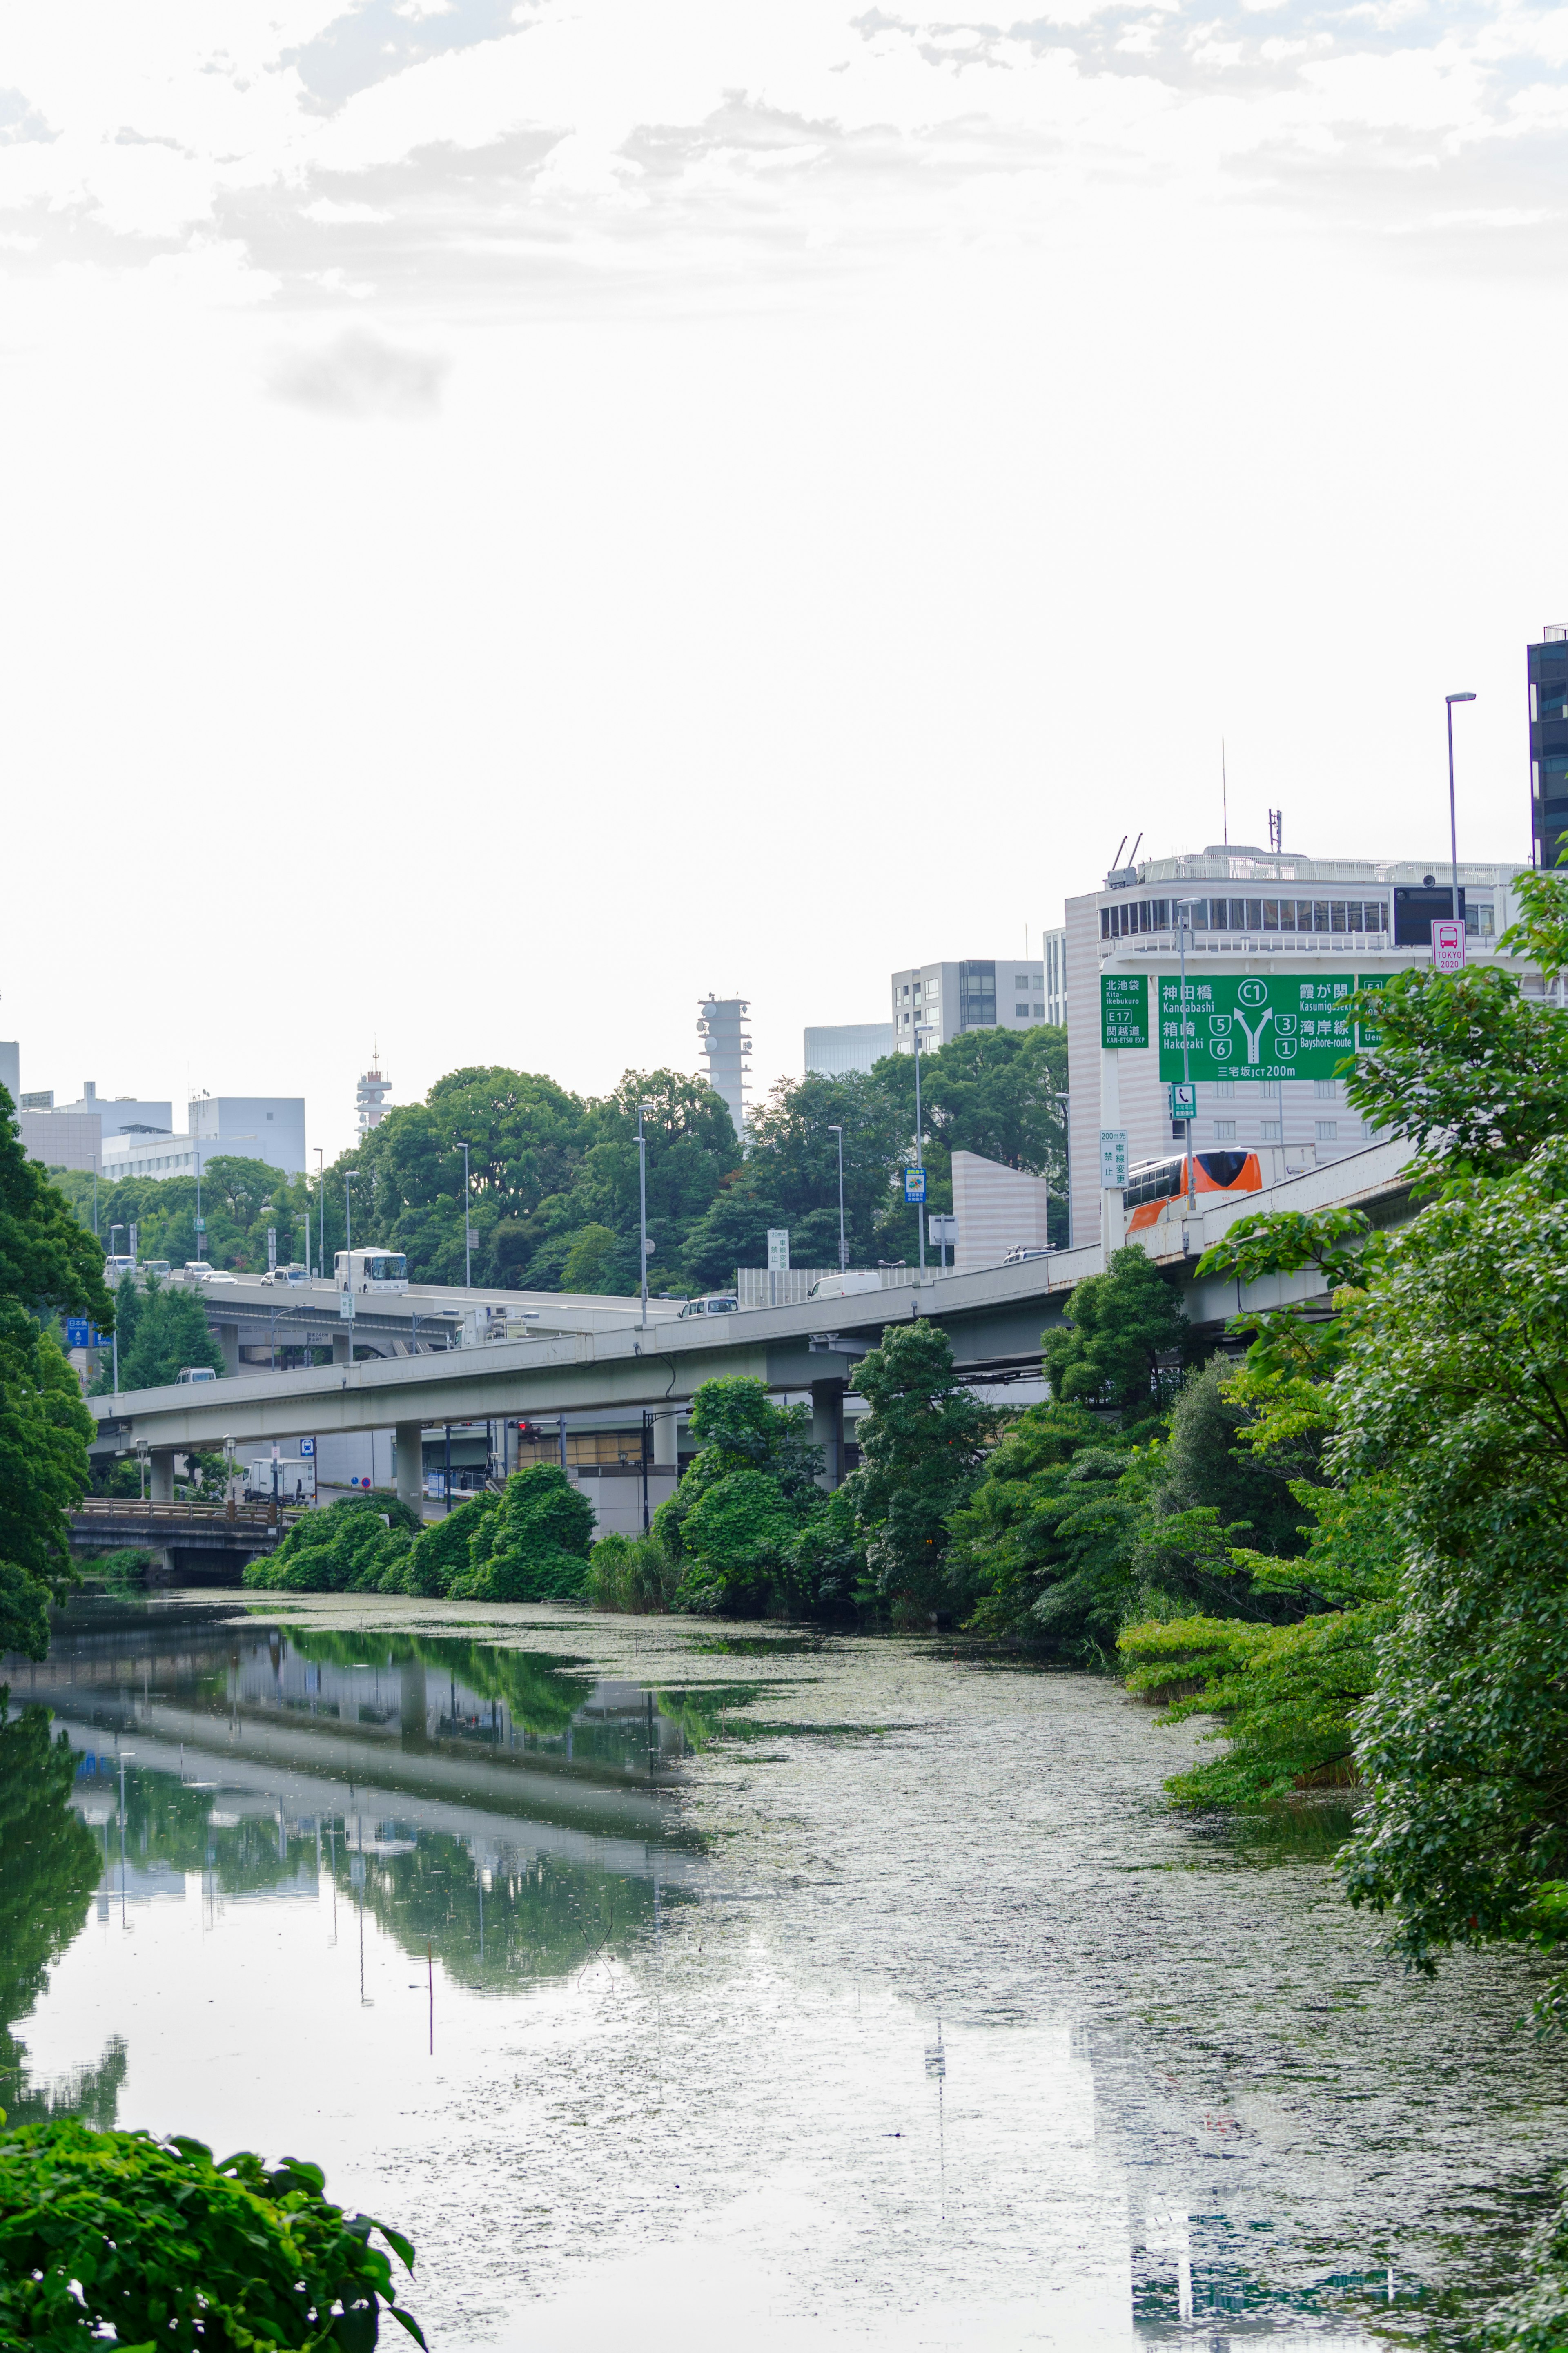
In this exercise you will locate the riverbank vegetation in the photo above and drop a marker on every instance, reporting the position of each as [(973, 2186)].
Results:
[(526, 1542)]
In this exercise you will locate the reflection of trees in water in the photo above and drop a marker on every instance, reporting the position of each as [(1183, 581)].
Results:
[(539, 1917), (540, 1692), (48, 1869), (170, 1821)]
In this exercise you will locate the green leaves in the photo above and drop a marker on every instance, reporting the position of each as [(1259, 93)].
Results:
[(1473, 1072), (922, 1446), (1124, 1342), (104, 2230)]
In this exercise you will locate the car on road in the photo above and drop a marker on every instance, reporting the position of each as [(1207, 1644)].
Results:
[(158, 1266), (115, 1269), (291, 1275), (188, 1374), (713, 1302), (198, 1269), (218, 1275), (1021, 1252), (846, 1285)]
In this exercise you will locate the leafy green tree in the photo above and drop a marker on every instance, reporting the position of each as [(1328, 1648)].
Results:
[(1469, 1067), (731, 1525), (440, 1553), (1456, 1380), (162, 1331), (1204, 1467), (631, 1574), (1048, 1542), (534, 1545), (1124, 1342), (49, 1267), (357, 1544), (117, 2234), (992, 1091), (922, 1446)]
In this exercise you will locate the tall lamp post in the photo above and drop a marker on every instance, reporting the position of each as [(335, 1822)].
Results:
[(458, 1145), (922, 1029), (1066, 1102), (321, 1204), (642, 1205), (834, 1129), (1184, 909), (1453, 823)]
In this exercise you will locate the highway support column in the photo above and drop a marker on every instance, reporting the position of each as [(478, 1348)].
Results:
[(161, 1482), (228, 1340), (828, 1430), (667, 1438), (410, 1436)]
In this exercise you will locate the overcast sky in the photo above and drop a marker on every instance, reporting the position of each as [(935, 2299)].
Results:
[(519, 515)]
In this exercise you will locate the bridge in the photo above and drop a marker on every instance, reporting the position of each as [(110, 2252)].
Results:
[(994, 1317), (251, 1311), (189, 1541)]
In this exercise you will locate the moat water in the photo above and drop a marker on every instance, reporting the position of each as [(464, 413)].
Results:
[(719, 1985)]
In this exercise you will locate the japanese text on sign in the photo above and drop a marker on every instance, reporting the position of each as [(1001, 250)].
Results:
[(1284, 1026), (1123, 1008)]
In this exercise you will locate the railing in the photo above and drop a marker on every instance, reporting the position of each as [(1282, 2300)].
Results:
[(127, 1507)]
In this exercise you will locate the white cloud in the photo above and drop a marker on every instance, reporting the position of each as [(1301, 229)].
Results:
[(358, 375)]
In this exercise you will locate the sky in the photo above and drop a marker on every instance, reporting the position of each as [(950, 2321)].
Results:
[(520, 516)]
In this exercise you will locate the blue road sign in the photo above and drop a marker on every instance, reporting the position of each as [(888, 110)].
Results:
[(914, 1184), (76, 1330), (307, 1448)]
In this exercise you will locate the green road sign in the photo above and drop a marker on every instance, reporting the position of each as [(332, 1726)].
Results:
[(1284, 1025), (1123, 1008)]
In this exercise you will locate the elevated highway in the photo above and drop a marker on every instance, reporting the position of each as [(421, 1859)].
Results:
[(995, 1318), (250, 1311)]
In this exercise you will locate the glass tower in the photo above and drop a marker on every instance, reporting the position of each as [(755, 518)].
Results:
[(1547, 670)]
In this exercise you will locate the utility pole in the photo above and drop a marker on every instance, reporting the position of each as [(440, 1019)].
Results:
[(322, 1203), (459, 1147), (1066, 1102), (642, 1220), (1183, 908), (919, 1150), (834, 1129), (1453, 822)]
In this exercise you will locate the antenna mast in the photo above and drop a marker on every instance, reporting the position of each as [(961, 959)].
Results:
[(1224, 798)]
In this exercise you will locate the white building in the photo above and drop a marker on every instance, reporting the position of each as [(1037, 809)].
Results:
[(983, 993), (270, 1128), (722, 1025), (1275, 943), (369, 1097), (253, 1127), (11, 1067), (72, 1136), (848, 1046)]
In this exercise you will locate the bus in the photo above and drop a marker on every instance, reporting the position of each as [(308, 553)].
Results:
[(371, 1270), (1155, 1186)]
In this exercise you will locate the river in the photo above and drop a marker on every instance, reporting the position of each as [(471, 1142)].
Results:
[(711, 1984)]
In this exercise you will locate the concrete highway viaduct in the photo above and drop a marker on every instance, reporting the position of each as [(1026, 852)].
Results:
[(995, 1318)]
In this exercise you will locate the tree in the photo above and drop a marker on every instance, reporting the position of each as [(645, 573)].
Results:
[(1464, 1064), (48, 1266), (161, 1332), (1204, 1468), (1048, 1541), (1455, 1382), (49, 1868), (732, 1524), (922, 1446), (1124, 1342), (534, 1545)]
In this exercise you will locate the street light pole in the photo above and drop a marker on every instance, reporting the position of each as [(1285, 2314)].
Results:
[(642, 1208), (1453, 823), (1184, 909), (468, 1282), (834, 1129), (321, 1204), (920, 1154), (1066, 1102)]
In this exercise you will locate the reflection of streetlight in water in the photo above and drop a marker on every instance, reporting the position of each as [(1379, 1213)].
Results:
[(936, 2066)]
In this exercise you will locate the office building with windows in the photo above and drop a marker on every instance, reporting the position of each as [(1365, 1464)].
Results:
[(1275, 943), (269, 1128), (1546, 668), (944, 1000), (74, 1135)]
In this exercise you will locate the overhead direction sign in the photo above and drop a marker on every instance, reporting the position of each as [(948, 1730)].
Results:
[(1284, 1025), (1123, 1009)]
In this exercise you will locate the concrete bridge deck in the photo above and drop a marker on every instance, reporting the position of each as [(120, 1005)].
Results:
[(994, 1318)]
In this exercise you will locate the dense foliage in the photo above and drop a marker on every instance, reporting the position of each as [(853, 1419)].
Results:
[(527, 1542), (240, 1199), (161, 1331), (103, 2231), (1123, 1341), (49, 1267), (49, 1868)]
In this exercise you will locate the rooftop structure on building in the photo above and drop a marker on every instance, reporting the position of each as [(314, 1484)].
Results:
[(846, 1046), (1301, 934), (369, 1097), (943, 1000), (1546, 679), (73, 1135), (269, 1128), (722, 1026)]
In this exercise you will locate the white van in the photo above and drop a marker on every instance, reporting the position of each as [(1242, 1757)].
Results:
[(189, 1375), (715, 1303), (844, 1286), (115, 1269)]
